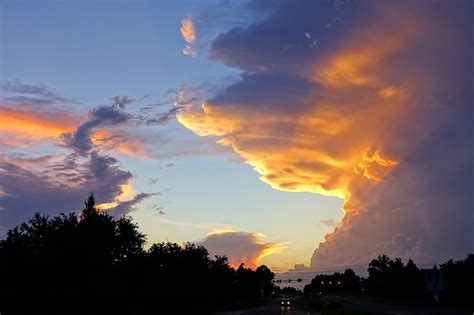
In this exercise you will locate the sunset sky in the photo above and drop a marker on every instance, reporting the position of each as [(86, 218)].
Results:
[(275, 132)]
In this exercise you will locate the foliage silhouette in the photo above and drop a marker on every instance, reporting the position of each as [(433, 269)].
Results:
[(347, 281), (393, 279), (458, 280), (93, 263)]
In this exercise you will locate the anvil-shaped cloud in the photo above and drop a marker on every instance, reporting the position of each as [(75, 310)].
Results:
[(367, 101)]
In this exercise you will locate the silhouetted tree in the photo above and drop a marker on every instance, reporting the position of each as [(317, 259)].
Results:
[(265, 276), (347, 281), (94, 263), (458, 280), (392, 277), (89, 208)]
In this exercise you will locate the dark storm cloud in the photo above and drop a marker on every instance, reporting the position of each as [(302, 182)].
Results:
[(423, 210), (104, 169), (108, 118), (342, 98), (101, 116), (285, 91), (288, 32), (29, 190)]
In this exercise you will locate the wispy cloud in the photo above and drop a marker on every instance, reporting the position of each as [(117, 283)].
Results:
[(43, 91), (204, 226), (329, 222), (188, 31)]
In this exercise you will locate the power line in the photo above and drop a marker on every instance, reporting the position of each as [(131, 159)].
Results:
[(290, 280), (353, 267)]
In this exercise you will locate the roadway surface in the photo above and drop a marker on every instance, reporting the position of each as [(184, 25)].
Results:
[(272, 309), (356, 303)]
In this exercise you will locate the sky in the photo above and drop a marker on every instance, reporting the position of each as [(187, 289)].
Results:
[(277, 132)]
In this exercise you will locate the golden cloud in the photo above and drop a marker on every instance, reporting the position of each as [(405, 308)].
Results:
[(240, 247), (188, 31), (343, 130), (347, 132), (328, 144), (127, 193), (35, 125)]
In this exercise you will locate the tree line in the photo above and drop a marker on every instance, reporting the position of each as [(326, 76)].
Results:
[(451, 282), (92, 263)]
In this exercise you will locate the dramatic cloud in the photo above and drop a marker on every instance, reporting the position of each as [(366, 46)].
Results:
[(240, 246), (33, 179), (101, 116), (341, 99), (109, 127), (54, 185), (33, 116), (188, 32)]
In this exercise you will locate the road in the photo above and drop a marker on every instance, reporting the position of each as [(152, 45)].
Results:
[(272, 309), (353, 302)]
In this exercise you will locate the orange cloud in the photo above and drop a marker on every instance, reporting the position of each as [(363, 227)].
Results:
[(344, 133), (188, 31), (374, 166), (128, 146), (353, 64), (127, 193), (240, 247), (2, 192), (324, 147), (35, 125), (135, 149)]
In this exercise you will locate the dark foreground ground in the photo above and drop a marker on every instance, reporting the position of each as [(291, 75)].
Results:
[(373, 307), (333, 304)]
